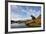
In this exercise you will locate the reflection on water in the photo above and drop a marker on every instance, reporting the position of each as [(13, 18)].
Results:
[(18, 25)]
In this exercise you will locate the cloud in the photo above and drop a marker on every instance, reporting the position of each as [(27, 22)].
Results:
[(24, 11)]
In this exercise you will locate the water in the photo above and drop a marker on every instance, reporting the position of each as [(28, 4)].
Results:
[(18, 25)]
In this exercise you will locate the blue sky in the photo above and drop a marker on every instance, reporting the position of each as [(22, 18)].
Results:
[(18, 11)]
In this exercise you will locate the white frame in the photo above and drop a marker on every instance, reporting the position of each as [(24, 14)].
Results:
[(24, 29)]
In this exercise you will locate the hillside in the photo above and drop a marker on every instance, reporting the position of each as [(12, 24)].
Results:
[(32, 22)]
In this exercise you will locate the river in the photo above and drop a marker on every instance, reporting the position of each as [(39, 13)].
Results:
[(18, 25)]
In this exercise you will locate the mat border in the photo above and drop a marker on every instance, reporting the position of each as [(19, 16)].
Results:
[(6, 16)]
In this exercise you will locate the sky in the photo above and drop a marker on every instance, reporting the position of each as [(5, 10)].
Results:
[(18, 11)]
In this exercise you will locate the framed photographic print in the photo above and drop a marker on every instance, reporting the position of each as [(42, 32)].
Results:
[(24, 16)]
